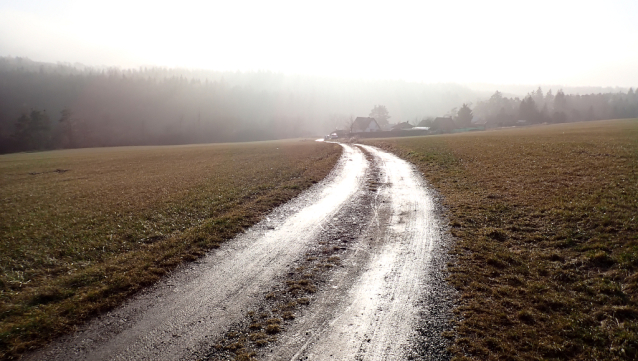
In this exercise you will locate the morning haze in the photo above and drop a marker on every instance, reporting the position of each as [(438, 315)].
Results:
[(330, 180), (135, 73), (52, 106)]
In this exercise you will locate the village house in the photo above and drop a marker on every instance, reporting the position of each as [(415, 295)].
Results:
[(444, 124), (365, 125)]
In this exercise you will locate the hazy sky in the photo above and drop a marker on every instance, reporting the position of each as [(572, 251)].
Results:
[(506, 42)]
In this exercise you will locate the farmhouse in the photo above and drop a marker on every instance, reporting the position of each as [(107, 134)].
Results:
[(364, 125), (444, 124)]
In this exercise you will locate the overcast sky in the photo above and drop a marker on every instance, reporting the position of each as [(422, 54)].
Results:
[(502, 42)]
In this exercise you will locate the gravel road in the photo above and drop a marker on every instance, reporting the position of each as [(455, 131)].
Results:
[(386, 301)]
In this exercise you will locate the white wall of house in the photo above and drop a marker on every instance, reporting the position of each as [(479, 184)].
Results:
[(372, 127)]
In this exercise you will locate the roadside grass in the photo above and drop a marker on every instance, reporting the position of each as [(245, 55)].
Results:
[(546, 227), (81, 230)]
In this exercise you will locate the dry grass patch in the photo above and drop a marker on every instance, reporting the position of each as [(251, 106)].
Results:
[(546, 222), (80, 230)]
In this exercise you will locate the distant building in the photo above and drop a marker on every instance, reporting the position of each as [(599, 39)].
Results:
[(402, 126), (444, 124), (365, 125)]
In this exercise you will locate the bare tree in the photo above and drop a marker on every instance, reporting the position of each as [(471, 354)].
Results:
[(380, 114), (349, 122)]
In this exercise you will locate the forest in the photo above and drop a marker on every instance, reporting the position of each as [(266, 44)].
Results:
[(536, 107), (57, 106)]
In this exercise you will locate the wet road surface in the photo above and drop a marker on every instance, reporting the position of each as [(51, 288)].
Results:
[(373, 307)]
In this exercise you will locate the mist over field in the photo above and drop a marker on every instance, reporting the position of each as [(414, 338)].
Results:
[(53, 106), (160, 73), (169, 106), (483, 154)]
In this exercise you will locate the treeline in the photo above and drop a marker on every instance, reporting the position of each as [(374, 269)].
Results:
[(53, 106), (50, 110), (537, 107)]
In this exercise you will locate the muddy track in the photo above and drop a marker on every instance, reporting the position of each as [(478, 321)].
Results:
[(385, 299)]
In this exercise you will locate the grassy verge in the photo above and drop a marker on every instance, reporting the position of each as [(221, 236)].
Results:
[(546, 222), (81, 230)]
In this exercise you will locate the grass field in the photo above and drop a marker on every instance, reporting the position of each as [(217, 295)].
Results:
[(546, 223), (80, 230)]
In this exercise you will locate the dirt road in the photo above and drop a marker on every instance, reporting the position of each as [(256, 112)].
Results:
[(387, 299)]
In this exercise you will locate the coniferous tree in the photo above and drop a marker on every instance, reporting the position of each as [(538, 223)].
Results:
[(560, 101), (539, 99), (528, 111), (32, 130), (464, 117)]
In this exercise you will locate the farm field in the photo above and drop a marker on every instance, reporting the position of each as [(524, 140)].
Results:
[(546, 227), (80, 230)]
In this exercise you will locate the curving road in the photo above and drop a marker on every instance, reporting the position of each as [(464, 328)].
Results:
[(377, 306)]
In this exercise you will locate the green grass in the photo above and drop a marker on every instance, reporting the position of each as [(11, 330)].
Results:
[(546, 228), (81, 230)]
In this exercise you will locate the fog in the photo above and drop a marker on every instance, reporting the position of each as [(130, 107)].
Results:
[(175, 106), (53, 106), (85, 74)]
